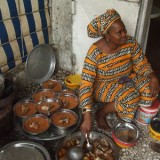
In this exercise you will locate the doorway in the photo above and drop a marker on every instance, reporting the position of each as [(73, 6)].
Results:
[(153, 41)]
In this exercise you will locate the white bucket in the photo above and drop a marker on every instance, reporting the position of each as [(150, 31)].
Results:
[(145, 114)]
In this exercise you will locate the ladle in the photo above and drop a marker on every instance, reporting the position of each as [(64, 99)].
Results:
[(76, 152), (88, 145)]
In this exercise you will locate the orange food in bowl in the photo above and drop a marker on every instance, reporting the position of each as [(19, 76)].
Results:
[(48, 106), (43, 94), (52, 84), (69, 101), (36, 124), (25, 108), (64, 119)]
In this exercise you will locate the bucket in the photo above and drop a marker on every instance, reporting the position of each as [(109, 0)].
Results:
[(145, 114), (6, 113)]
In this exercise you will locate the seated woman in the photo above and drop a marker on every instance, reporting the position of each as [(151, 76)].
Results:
[(115, 72)]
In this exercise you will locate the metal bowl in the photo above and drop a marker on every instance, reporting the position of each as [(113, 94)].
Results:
[(76, 137), (25, 108), (125, 134), (69, 101), (49, 106), (24, 150), (67, 91), (36, 124), (52, 84), (64, 119), (43, 94)]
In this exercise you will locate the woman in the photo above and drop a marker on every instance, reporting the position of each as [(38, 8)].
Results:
[(115, 72)]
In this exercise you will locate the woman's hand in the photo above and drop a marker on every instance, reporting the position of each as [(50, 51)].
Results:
[(154, 84), (86, 125)]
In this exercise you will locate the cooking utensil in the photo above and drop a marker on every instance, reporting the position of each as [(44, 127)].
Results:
[(88, 145), (76, 152), (93, 136), (40, 63), (125, 134), (24, 150)]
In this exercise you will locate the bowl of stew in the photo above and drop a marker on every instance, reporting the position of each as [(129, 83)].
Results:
[(25, 108), (48, 106), (64, 119), (36, 124), (69, 101), (43, 94), (54, 85)]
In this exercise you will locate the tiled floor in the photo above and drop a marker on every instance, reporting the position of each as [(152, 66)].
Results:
[(153, 45)]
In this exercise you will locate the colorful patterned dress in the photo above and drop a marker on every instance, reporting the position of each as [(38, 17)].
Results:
[(120, 77)]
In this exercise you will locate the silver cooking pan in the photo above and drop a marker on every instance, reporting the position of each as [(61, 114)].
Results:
[(40, 63)]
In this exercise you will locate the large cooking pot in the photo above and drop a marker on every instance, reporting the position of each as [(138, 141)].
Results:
[(101, 143), (6, 103)]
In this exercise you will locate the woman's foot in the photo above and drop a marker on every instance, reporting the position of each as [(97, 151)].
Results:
[(101, 121), (102, 113)]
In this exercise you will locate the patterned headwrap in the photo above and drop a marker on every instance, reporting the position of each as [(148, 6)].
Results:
[(99, 25)]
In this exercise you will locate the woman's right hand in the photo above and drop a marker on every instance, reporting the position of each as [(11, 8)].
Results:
[(86, 125)]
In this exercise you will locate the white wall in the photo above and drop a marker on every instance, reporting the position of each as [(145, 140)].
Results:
[(86, 10)]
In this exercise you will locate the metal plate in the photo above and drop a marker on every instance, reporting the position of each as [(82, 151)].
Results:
[(52, 133), (93, 135), (40, 63), (24, 150)]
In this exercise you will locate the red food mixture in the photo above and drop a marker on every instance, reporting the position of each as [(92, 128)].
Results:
[(69, 101), (64, 119), (36, 125), (52, 84), (42, 95), (46, 107), (24, 109)]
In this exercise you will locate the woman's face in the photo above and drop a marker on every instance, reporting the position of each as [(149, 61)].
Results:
[(117, 33)]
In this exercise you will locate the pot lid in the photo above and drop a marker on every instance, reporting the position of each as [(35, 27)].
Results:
[(40, 63), (24, 150)]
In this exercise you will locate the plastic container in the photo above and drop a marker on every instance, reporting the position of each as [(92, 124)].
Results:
[(145, 114), (154, 128), (73, 81)]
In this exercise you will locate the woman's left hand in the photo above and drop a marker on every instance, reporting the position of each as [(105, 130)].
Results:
[(154, 84)]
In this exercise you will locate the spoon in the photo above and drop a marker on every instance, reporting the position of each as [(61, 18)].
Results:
[(76, 152), (88, 145)]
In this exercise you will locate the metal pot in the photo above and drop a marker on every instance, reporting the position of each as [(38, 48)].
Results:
[(125, 134)]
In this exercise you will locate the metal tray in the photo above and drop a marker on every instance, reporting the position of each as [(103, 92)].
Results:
[(24, 150), (40, 63), (52, 133), (93, 135)]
